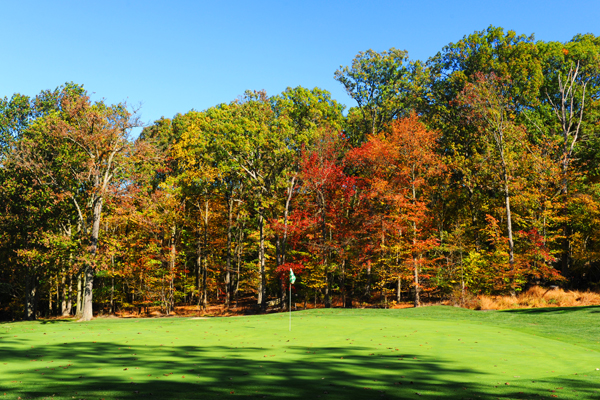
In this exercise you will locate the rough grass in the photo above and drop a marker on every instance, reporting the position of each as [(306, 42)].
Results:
[(536, 297), (431, 352)]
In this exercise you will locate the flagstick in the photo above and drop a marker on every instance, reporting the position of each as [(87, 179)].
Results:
[(290, 306)]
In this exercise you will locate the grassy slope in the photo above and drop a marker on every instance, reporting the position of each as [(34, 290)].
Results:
[(437, 352)]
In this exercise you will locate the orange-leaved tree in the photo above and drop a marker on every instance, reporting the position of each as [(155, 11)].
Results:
[(402, 168)]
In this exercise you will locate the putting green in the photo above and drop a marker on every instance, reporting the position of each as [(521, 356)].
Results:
[(434, 352)]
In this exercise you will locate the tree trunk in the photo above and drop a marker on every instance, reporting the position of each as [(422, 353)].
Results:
[(283, 246), (51, 309), (415, 262), (238, 256), (172, 259), (571, 119), (31, 298), (112, 284), (462, 279), (565, 242), (89, 268), (199, 270), (262, 290), (163, 297), (417, 285), (63, 296), (87, 312), (368, 287), (416, 265), (511, 246), (229, 240), (345, 296), (283, 293), (328, 289), (201, 260), (112, 295), (205, 259), (80, 284), (69, 307)]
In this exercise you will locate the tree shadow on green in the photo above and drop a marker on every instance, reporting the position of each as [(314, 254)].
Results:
[(55, 321), (554, 310), (123, 371), (42, 321)]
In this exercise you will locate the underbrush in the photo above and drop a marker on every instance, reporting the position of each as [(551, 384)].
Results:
[(535, 297)]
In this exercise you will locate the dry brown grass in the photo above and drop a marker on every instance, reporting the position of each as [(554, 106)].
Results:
[(537, 297)]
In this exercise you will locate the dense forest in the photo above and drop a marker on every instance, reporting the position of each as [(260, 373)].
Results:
[(475, 171)]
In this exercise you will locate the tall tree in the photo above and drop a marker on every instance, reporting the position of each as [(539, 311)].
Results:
[(570, 109), (406, 166), (78, 150), (491, 113), (383, 85)]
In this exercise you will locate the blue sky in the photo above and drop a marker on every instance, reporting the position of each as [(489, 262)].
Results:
[(173, 56)]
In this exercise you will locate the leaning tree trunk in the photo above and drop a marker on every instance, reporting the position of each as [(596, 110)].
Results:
[(282, 242), (511, 245)]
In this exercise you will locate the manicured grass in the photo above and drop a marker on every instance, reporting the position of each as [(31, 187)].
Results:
[(431, 353)]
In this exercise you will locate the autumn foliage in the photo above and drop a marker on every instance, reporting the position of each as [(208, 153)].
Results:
[(473, 175)]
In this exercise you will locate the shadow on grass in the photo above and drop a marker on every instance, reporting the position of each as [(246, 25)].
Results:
[(55, 321), (554, 310), (123, 371), (42, 321)]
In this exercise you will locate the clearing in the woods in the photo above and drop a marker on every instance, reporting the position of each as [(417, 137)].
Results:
[(425, 353)]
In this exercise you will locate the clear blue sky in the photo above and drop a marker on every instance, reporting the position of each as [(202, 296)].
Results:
[(173, 56)]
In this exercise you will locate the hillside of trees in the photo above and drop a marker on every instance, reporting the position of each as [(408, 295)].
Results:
[(476, 171)]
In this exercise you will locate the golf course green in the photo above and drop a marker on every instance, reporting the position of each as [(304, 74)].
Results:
[(429, 353)]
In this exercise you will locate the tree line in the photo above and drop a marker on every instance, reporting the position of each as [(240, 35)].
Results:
[(475, 171)]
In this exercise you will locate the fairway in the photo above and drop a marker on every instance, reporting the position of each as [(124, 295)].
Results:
[(431, 353)]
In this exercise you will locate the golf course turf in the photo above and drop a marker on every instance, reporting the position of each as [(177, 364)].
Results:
[(426, 353)]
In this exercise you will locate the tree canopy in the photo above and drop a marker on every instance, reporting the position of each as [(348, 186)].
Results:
[(472, 172)]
